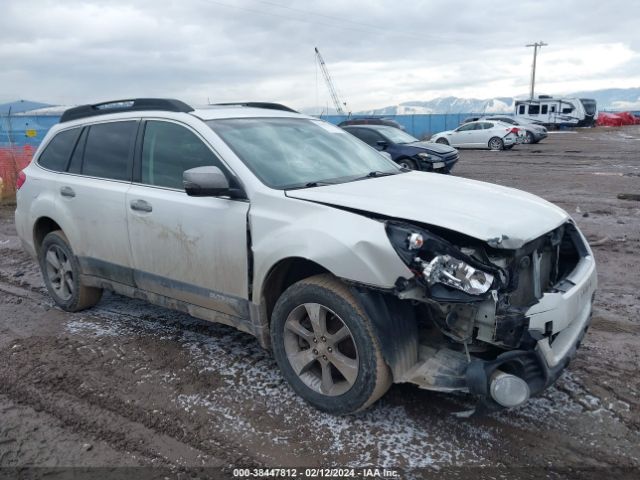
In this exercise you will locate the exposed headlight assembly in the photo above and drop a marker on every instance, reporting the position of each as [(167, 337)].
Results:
[(435, 261), (457, 274)]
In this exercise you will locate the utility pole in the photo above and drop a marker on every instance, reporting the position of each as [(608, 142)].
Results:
[(535, 46)]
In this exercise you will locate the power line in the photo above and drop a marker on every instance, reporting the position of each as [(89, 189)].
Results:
[(367, 29), (330, 17)]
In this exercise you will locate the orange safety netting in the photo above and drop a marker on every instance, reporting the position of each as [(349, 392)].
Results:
[(12, 160)]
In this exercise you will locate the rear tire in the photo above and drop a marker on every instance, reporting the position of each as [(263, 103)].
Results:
[(443, 141), (325, 346), (496, 143), (61, 274)]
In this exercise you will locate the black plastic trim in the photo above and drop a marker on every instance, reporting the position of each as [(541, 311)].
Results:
[(119, 106), (267, 105)]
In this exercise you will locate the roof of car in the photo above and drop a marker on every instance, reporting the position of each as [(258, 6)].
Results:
[(142, 107), (371, 126), (213, 112)]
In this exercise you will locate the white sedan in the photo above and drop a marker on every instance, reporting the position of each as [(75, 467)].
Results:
[(482, 134)]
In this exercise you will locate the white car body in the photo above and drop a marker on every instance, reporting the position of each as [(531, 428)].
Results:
[(479, 134), (218, 257)]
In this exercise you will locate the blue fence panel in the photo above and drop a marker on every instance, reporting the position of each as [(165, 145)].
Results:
[(21, 130)]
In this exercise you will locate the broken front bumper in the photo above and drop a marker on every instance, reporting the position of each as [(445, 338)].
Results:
[(557, 325)]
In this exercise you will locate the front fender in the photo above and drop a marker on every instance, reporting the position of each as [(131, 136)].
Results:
[(349, 245)]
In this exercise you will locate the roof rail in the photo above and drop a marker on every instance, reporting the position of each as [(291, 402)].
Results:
[(130, 105), (271, 106)]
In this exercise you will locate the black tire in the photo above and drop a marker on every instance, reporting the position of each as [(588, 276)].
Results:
[(529, 138), (443, 141), (495, 143), (407, 163), (373, 377), (77, 295)]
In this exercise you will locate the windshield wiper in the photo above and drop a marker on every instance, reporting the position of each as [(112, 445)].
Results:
[(310, 185), (375, 174)]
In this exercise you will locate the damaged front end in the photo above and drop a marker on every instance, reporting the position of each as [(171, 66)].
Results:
[(499, 323)]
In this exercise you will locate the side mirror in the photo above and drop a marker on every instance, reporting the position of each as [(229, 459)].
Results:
[(206, 182), (382, 144)]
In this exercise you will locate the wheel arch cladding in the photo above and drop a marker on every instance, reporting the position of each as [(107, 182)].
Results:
[(42, 227), (282, 275), (395, 324)]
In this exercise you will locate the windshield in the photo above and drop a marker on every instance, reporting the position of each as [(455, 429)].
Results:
[(296, 152), (396, 135)]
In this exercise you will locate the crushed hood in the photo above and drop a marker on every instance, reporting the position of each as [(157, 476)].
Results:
[(502, 216)]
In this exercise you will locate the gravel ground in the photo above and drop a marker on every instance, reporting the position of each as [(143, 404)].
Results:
[(128, 384)]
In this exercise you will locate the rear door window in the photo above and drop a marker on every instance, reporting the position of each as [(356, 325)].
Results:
[(367, 136), (75, 165), (56, 155), (168, 150), (468, 127), (107, 153)]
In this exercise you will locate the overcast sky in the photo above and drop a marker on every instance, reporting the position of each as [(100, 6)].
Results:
[(379, 52)]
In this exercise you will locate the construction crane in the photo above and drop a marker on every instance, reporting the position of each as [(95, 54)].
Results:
[(332, 89)]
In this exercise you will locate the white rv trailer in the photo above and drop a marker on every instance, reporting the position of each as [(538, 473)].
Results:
[(556, 111)]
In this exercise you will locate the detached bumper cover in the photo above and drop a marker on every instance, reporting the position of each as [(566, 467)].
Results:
[(567, 314)]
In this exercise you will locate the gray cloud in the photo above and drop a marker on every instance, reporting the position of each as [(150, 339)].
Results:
[(378, 52)]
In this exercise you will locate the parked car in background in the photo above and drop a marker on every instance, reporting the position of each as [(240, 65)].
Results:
[(406, 150), (531, 132), (482, 134), (371, 121)]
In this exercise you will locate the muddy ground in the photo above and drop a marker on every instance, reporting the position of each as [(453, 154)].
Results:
[(129, 384)]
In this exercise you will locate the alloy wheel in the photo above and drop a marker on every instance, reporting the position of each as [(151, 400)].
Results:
[(321, 349), (59, 272)]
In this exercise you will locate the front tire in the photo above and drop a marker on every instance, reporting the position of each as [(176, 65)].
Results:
[(407, 163), (442, 141), (496, 143), (325, 347), (528, 138), (61, 274)]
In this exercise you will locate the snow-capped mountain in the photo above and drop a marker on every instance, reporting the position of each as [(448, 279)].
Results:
[(608, 99), (447, 105)]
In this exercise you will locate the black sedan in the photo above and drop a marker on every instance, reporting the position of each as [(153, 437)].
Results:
[(405, 150)]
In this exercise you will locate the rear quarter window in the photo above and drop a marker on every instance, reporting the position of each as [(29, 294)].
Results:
[(56, 154), (107, 153)]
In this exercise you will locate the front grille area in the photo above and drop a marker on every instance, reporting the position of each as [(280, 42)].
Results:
[(450, 157), (542, 263)]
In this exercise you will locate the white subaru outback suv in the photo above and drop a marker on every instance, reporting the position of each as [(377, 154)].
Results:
[(354, 272)]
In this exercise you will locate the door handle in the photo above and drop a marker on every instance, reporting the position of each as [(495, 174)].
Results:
[(67, 192), (140, 206)]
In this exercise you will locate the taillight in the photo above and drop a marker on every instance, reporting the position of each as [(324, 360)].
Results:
[(514, 130), (22, 177)]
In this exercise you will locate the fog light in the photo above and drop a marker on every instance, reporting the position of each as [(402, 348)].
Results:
[(508, 390)]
